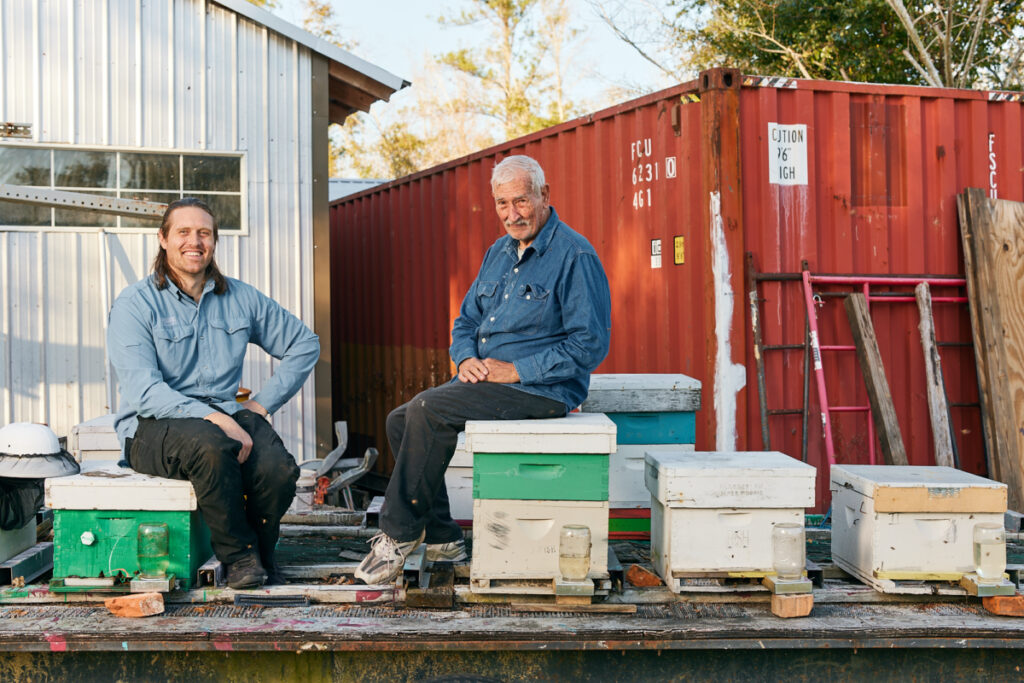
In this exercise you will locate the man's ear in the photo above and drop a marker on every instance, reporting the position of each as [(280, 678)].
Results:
[(545, 193)]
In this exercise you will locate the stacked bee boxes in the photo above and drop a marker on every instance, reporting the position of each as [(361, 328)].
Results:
[(96, 517), (651, 412), (531, 478), (712, 514)]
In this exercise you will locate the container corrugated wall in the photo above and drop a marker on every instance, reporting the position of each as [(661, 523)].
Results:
[(180, 75), (691, 167)]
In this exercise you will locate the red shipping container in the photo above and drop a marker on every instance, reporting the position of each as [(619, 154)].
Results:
[(673, 189)]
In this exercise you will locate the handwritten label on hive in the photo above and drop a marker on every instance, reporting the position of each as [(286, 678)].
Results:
[(787, 154)]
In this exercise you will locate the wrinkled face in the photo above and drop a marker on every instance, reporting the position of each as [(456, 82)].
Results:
[(189, 242), (521, 210)]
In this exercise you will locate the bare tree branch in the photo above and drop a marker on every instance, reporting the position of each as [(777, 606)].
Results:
[(929, 72)]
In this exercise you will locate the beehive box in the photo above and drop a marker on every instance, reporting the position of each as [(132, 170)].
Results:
[(894, 523), (530, 478), (642, 393), (713, 513), (95, 439), (96, 515), (458, 479), (574, 433), (626, 487), (516, 539)]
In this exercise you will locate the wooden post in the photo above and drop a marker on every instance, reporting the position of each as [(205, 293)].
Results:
[(964, 204), (942, 434), (882, 410)]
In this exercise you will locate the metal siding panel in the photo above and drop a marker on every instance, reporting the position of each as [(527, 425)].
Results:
[(123, 70), (17, 85)]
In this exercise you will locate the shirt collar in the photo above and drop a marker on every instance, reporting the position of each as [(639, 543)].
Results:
[(182, 296), (542, 240)]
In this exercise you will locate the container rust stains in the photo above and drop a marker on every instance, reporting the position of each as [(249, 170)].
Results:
[(853, 184)]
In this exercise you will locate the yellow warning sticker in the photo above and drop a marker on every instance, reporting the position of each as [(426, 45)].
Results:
[(680, 250)]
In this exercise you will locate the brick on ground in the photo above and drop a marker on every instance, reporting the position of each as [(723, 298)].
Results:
[(794, 605), (643, 578), (136, 605)]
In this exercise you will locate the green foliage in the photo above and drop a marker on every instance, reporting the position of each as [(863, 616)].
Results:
[(858, 40)]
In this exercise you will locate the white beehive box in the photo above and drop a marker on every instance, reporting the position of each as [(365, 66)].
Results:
[(713, 513), (642, 393), (518, 539), (574, 433), (105, 486), (892, 523), (458, 480), (95, 439), (626, 488)]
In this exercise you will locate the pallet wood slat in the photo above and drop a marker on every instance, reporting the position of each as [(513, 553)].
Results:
[(964, 203), (994, 258), (938, 408), (883, 412)]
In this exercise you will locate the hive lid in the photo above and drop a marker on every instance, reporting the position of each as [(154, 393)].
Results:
[(642, 393), (574, 433), (908, 488), (103, 485), (729, 479)]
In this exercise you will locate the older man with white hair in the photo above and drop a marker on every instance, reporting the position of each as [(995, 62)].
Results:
[(533, 326)]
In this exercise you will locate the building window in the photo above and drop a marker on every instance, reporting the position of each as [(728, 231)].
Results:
[(162, 177)]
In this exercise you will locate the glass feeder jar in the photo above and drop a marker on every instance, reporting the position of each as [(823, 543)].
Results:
[(574, 552), (788, 550), (153, 550), (989, 552)]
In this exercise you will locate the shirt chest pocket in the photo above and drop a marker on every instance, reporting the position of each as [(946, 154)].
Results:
[(228, 341), (532, 304), (175, 347), (485, 295)]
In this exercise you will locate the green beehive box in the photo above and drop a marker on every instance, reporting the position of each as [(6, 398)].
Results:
[(540, 476), (96, 517), (95, 543)]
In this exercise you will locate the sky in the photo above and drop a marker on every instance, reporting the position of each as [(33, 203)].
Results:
[(397, 34)]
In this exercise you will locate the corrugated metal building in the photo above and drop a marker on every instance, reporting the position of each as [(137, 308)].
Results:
[(152, 100), (672, 190)]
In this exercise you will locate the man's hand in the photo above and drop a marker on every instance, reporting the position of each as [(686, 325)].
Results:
[(255, 407), (473, 370), (234, 431), (500, 371)]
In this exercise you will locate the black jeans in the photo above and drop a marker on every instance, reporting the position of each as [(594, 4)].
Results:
[(423, 434), (241, 503)]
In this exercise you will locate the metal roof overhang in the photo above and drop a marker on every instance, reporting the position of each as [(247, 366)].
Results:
[(353, 83)]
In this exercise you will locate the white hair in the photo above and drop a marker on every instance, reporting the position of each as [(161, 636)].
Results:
[(511, 167)]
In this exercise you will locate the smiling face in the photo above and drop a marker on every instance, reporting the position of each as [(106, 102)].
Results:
[(189, 242), (522, 210)]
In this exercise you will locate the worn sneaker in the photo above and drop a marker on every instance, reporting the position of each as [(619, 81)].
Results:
[(454, 551), (385, 559), (246, 573)]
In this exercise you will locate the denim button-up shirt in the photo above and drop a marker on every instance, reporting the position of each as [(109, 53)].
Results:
[(176, 358), (548, 313)]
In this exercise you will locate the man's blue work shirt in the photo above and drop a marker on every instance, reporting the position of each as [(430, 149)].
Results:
[(176, 358), (548, 313)]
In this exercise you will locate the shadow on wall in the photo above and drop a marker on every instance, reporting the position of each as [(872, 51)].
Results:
[(67, 368)]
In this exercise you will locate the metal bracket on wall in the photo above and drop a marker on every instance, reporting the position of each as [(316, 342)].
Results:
[(81, 200)]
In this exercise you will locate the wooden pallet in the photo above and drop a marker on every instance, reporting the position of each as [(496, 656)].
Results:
[(532, 586), (905, 586)]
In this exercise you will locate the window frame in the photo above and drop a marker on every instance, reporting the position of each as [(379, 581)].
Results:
[(242, 193)]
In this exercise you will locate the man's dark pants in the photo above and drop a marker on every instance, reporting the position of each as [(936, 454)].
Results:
[(423, 434), (199, 451)]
